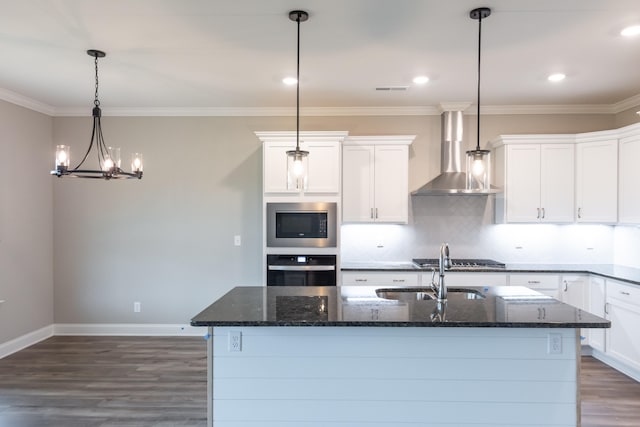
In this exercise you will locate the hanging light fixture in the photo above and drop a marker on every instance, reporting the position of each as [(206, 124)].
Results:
[(297, 159), (479, 161), (108, 157)]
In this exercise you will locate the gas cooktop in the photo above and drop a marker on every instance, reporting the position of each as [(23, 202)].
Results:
[(461, 263)]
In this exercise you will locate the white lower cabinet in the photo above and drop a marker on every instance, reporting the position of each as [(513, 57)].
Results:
[(596, 306), (380, 278), (623, 310), (574, 290), (547, 284)]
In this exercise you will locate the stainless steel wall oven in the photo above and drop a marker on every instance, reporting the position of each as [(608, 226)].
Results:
[(301, 270)]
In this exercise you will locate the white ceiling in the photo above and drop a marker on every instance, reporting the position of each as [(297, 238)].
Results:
[(224, 54)]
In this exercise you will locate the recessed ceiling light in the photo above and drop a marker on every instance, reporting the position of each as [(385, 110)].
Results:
[(290, 81), (631, 31), (420, 80), (557, 77)]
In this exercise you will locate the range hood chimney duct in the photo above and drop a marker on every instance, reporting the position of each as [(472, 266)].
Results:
[(452, 179)]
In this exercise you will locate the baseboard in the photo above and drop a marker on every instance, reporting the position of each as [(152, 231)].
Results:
[(27, 340), (618, 366), (132, 329)]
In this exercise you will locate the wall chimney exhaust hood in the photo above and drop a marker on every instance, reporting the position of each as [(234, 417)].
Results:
[(452, 179)]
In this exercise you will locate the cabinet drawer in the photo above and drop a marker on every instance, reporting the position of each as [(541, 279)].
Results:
[(456, 278), (625, 293), (535, 281), (375, 278)]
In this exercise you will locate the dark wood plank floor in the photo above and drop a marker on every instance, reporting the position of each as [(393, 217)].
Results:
[(161, 381), (105, 381)]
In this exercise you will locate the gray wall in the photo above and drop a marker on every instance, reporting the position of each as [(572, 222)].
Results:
[(26, 222)]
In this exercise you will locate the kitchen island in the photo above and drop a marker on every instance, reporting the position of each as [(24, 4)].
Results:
[(359, 356)]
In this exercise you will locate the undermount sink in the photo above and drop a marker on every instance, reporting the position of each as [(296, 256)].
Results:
[(423, 294)]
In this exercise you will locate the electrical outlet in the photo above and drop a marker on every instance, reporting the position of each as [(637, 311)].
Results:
[(554, 344), (137, 307), (235, 341), (237, 240)]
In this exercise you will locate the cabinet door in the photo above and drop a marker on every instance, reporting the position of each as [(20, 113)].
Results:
[(275, 167), (630, 180), (523, 183), (357, 183), (623, 310), (574, 290), (557, 187), (391, 188), (597, 181), (596, 306), (324, 167)]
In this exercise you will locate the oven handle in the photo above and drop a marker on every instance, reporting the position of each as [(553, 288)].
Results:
[(302, 267)]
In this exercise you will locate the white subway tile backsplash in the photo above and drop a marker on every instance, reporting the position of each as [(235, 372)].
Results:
[(466, 223)]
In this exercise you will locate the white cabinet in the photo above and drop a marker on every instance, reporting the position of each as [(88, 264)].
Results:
[(597, 178), (574, 290), (375, 179), (596, 306), (547, 284), (323, 162), (629, 179), (537, 175), (623, 310), (380, 278)]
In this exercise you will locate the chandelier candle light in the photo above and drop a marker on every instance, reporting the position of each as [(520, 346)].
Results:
[(296, 159), (109, 161), (478, 161)]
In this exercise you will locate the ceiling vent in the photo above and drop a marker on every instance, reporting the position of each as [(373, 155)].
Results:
[(392, 88)]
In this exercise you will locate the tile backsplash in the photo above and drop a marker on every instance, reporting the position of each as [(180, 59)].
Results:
[(466, 224)]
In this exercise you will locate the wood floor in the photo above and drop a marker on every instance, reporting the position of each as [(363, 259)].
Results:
[(161, 381)]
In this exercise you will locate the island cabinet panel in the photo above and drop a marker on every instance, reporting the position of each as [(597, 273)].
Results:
[(384, 377)]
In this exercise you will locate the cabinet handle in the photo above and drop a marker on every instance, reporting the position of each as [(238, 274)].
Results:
[(606, 308), (376, 213), (566, 286), (579, 213), (533, 282), (361, 280), (625, 293), (371, 214), (538, 217), (543, 213)]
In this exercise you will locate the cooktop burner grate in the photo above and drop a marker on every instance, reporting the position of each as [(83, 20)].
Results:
[(460, 263)]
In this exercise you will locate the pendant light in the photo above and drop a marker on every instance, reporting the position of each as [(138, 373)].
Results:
[(479, 161), (108, 157), (297, 159)]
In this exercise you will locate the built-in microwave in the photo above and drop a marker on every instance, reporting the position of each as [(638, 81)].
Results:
[(307, 225)]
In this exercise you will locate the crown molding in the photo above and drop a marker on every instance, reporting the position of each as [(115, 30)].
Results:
[(469, 109), (26, 102)]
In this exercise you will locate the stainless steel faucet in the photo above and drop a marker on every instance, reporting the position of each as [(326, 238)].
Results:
[(444, 263)]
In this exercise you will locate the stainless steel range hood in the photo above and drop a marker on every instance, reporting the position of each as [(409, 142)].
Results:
[(452, 179)]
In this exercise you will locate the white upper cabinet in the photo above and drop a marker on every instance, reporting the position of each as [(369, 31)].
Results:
[(536, 173), (323, 162), (597, 177), (629, 177), (375, 179)]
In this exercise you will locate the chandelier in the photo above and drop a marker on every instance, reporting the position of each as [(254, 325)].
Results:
[(109, 160)]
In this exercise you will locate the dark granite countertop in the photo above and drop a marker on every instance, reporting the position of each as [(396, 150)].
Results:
[(502, 307), (611, 271)]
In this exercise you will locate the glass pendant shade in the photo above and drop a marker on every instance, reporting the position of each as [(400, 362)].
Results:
[(297, 166), (478, 170), (62, 157), (136, 162)]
